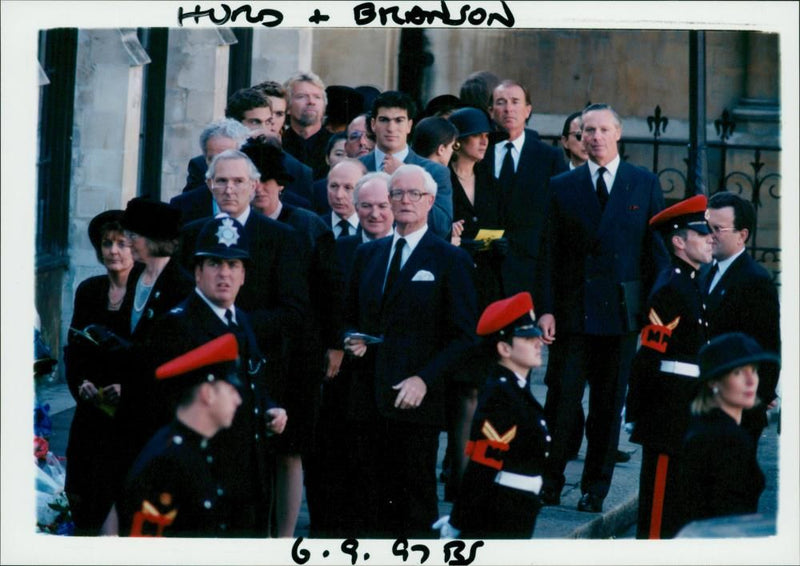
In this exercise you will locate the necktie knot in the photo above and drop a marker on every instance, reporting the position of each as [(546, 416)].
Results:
[(229, 318), (344, 228), (394, 265), (507, 169)]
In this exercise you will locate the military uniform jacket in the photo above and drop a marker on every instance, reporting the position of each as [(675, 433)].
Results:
[(172, 489), (508, 434), (658, 401)]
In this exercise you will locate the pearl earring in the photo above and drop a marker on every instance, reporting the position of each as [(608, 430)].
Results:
[(715, 390)]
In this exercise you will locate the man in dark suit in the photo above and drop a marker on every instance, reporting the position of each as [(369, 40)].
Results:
[(601, 259), (342, 179), (252, 108), (741, 296), (305, 137), (415, 291), (391, 121), (524, 179), (276, 294)]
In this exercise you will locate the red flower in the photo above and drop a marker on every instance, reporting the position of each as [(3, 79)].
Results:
[(40, 447)]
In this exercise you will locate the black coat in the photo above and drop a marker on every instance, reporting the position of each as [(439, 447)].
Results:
[(524, 210), (174, 462), (658, 402), (483, 508), (746, 300), (240, 451), (591, 253), (171, 287), (309, 151), (92, 464), (719, 473)]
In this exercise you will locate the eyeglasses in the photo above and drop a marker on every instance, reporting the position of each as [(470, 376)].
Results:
[(356, 135), (222, 184), (720, 229), (577, 135), (413, 194)]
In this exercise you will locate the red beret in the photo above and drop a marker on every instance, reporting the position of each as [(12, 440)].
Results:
[(689, 213), (513, 315), (218, 352)]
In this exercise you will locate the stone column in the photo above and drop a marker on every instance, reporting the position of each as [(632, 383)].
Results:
[(196, 94)]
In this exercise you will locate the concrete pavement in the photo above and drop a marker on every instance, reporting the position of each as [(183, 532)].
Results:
[(561, 522)]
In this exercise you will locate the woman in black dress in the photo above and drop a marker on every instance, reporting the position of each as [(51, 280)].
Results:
[(103, 300), (476, 205), (720, 474)]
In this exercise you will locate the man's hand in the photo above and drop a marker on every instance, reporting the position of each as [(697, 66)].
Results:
[(87, 391), (278, 421), (111, 393), (412, 392), (333, 362), (356, 346), (547, 323)]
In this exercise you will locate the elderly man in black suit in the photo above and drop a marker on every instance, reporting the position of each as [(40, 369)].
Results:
[(523, 165), (276, 294), (601, 260), (741, 296), (342, 179), (415, 292), (391, 121)]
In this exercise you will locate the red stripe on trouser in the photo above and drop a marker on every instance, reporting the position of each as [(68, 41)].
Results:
[(658, 496)]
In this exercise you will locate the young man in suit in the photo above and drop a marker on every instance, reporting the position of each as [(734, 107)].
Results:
[(415, 291), (741, 296), (601, 260), (391, 121), (523, 165)]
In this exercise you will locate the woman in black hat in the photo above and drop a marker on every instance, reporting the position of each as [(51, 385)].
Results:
[(103, 300), (476, 205), (153, 228), (720, 474)]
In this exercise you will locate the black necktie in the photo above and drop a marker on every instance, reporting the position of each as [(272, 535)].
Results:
[(711, 274), (344, 226), (229, 317), (394, 266), (507, 170), (602, 190)]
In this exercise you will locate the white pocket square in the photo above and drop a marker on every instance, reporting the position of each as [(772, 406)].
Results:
[(423, 275)]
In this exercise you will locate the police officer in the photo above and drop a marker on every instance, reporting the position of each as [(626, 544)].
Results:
[(220, 260), (664, 375), (173, 488), (509, 441)]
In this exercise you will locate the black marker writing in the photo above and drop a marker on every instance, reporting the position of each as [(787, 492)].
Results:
[(365, 13), (456, 546), (273, 17)]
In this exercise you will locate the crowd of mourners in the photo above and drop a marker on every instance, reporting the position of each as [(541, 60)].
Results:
[(348, 274)]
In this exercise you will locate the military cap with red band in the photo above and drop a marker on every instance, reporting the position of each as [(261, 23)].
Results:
[(689, 213), (509, 317), (213, 361)]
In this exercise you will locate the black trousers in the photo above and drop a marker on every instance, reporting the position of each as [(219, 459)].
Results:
[(658, 497), (396, 494), (604, 363)]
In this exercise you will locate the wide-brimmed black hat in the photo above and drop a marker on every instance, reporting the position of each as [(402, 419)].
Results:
[(152, 219), (268, 159), (223, 237), (370, 93), (470, 121), (729, 351), (444, 103), (97, 223)]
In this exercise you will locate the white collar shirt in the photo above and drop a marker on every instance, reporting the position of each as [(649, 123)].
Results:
[(500, 153)]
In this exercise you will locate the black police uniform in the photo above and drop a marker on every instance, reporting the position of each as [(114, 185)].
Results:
[(173, 489), (509, 444), (662, 384)]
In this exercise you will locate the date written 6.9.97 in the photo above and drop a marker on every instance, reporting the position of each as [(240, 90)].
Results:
[(454, 552)]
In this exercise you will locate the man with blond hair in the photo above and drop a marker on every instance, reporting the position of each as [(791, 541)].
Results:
[(305, 138)]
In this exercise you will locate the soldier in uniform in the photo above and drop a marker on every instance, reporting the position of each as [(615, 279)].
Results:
[(173, 489), (664, 374), (239, 452), (509, 441)]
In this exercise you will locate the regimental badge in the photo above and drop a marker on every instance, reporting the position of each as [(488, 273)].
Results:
[(227, 233)]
